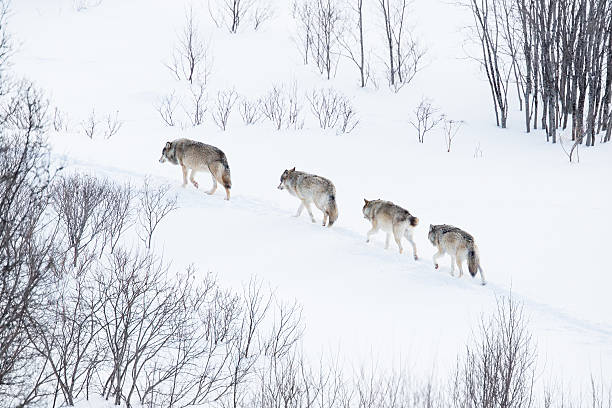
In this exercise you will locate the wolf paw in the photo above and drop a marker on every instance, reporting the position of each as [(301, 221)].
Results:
[(210, 192), (195, 184), (436, 266)]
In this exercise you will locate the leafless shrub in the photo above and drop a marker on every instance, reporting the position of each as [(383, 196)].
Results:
[(477, 151), (60, 122), (82, 5), (154, 204), (274, 106), (332, 109), (499, 369), (65, 333), (348, 117), (190, 59), (223, 108), (82, 207), (6, 46), (451, 128), (90, 125), (113, 124), (425, 118), (119, 200), (325, 105), (197, 107), (250, 111), (167, 108), (294, 119), (26, 108), (27, 250)]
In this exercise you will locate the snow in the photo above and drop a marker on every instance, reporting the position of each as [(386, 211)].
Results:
[(542, 225)]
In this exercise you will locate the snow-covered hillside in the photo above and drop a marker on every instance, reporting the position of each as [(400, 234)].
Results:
[(541, 224)]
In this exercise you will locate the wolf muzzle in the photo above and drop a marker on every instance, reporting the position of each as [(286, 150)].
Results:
[(280, 186), (162, 159)]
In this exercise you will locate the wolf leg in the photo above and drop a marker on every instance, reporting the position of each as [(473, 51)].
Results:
[(307, 205), (408, 236), (387, 239), (436, 256), (191, 178), (300, 209), (397, 234), (214, 186), (184, 175), (459, 265), (453, 261), (482, 278), (324, 218), (372, 231)]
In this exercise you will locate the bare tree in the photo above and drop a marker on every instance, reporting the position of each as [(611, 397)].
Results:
[(60, 122), (294, 117), (328, 28), (426, 117), (154, 204), (405, 55), (233, 14), (190, 60), (304, 14), (352, 42), (223, 108), (451, 128), (167, 108)]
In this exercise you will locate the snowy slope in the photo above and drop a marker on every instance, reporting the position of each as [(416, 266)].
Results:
[(540, 223)]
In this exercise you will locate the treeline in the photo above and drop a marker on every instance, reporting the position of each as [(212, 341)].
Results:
[(558, 54)]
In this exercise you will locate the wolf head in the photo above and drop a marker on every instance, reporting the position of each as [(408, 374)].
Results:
[(284, 177), (432, 234), (168, 153), (366, 209)]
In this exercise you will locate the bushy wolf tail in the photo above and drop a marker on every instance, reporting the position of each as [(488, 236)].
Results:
[(414, 221), (226, 176), (473, 260), (332, 210)]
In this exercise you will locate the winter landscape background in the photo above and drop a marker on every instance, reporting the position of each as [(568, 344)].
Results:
[(541, 223)]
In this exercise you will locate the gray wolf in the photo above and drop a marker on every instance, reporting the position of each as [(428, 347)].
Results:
[(310, 188), (392, 219), (197, 156), (459, 245)]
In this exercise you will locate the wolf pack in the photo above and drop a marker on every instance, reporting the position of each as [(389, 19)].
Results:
[(195, 157)]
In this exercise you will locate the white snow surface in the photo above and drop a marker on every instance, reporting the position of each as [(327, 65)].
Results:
[(542, 225)]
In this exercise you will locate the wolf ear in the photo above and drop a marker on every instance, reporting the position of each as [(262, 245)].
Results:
[(430, 227), (168, 145), (292, 170), (366, 201)]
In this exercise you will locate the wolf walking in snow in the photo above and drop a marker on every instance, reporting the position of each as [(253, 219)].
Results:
[(392, 219), (197, 156), (459, 245), (310, 188)]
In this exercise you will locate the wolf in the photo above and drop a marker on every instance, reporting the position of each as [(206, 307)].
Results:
[(198, 156), (310, 188), (392, 219), (459, 245)]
